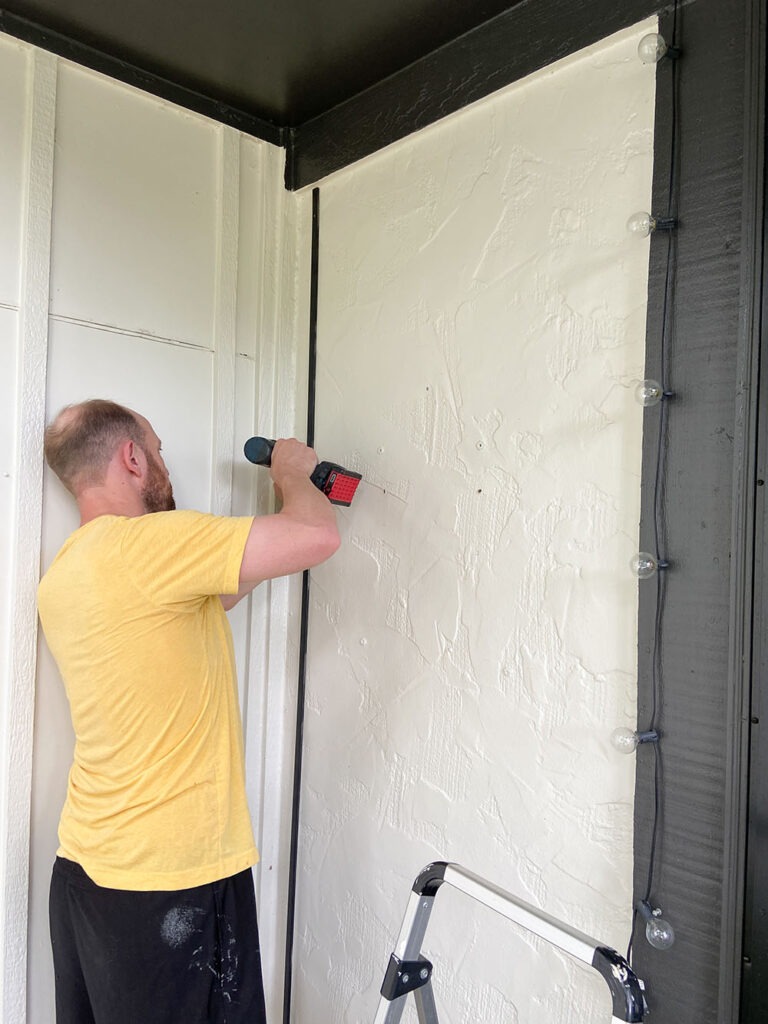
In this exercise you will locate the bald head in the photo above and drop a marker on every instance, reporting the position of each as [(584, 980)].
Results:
[(82, 439)]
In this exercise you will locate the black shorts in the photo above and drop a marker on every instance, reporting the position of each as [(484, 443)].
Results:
[(184, 957)]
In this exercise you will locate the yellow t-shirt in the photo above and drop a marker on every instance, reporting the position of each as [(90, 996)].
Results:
[(130, 609)]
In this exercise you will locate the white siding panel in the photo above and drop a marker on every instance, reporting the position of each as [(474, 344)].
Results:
[(14, 71), (173, 289), (134, 243), (172, 386)]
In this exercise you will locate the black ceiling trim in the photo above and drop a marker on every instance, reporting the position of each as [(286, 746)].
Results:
[(124, 71), (505, 49)]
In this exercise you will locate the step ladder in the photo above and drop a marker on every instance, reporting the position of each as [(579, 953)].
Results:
[(409, 972)]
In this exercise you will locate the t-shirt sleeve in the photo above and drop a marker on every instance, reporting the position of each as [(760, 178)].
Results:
[(176, 557)]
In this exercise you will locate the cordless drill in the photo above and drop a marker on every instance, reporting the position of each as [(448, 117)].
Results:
[(336, 483)]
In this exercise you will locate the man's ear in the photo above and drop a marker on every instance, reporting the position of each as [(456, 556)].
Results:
[(132, 458)]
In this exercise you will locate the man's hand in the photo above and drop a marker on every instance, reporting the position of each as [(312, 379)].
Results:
[(301, 535), (290, 457)]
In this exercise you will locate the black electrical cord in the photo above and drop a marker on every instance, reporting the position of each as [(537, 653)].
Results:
[(659, 489), (304, 631)]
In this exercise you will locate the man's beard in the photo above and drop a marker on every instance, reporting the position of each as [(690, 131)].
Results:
[(158, 493)]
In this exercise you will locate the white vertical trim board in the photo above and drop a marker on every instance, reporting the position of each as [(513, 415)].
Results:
[(225, 320), (19, 692), (285, 229), (260, 743), (259, 489), (271, 606)]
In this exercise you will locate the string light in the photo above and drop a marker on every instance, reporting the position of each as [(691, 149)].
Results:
[(650, 392), (659, 932), (644, 565), (652, 49), (642, 224), (626, 741)]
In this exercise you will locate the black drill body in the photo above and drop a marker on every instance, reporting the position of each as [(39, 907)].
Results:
[(336, 483)]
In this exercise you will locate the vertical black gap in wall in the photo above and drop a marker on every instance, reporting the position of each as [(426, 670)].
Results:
[(754, 960), (289, 175), (745, 925), (301, 692), (311, 385)]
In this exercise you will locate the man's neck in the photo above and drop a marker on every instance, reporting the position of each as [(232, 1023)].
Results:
[(98, 501)]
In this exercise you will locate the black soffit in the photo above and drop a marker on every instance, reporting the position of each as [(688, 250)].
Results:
[(280, 61), (330, 82)]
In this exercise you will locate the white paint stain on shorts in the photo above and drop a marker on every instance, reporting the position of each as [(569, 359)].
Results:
[(178, 924)]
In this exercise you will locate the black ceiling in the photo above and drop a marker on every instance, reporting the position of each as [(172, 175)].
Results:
[(282, 61), (331, 81)]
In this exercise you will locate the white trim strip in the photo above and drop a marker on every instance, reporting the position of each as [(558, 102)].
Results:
[(284, 293), (225, 322), (19, 705), (273, 664)]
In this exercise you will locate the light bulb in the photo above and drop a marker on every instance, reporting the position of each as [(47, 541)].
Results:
[(626, 741), (641, 224), (652, 48), (649, 392), (659, 932), (643, 565)]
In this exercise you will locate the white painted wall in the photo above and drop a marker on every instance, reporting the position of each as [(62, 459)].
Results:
[(14, 64), (178, 285), (473, 644), (31, 84), (482, 320)]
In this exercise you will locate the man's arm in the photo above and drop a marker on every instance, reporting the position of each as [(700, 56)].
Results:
[(301, 535)]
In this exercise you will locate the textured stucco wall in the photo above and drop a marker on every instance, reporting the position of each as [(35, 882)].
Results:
[(481, 331)]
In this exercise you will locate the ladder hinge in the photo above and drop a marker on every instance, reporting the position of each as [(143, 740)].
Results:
[(404, 976)]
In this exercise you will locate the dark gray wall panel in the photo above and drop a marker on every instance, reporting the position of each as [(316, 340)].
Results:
[(693, 876)]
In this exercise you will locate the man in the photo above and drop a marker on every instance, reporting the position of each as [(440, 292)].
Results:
[(153, 917)]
